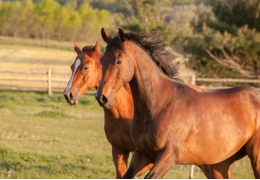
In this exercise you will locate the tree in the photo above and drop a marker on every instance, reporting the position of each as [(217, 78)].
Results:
[(151, 13), (73, 27), (92, 21), (44, 14), (238, 13), (14, 18), (61, 17), (26, 19), (4, 18), (226, 46)]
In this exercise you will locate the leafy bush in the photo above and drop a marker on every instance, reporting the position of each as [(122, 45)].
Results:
[(228, 46)]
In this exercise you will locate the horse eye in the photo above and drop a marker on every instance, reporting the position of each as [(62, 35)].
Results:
[(85, 68), (119, 62)]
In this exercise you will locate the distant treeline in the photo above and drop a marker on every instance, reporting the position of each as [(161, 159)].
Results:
[(47, 19), (81, 20)]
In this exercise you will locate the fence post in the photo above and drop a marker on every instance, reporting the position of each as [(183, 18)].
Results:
[(49, 82), (193, 79), (191, 171)]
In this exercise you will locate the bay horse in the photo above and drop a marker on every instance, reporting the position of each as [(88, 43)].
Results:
[(173, 123), (86, 75)]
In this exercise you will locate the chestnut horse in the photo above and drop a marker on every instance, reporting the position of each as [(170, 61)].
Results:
[(86, 75), (173, 123)]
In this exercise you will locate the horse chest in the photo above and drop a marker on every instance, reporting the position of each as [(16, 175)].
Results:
[(148, 135), (117, 133)]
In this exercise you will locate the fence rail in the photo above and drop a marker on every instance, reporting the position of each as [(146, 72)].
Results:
[(48, 80), (34, 80), (193, 80), (24, 72), (225, 80), (32, 72)]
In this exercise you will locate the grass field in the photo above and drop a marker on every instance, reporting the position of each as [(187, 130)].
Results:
[(44, 137)]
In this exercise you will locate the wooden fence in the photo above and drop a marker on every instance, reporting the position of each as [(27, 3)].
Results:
[(192, 79), (48, 80)]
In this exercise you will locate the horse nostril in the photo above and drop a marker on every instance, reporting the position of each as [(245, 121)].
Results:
[(104, 99), (70, 96)]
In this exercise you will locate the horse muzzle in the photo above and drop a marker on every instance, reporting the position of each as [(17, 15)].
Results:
[(104, 101), (72, 98)]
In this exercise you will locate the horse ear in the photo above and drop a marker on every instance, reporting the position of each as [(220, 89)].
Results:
[(76, 48), (121, 35), (105, 36), (96, 47)]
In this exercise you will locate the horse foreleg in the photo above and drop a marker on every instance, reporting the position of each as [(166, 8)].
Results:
[(138, 166), (205, 169), (215, 172), (229, 173), (144, 170), (220, 171), (163, 163), (120, 159)]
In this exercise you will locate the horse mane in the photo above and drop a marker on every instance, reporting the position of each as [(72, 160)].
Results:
[(127, 88), (154, 47)]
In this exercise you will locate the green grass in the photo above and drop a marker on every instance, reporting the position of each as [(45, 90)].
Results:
[(44, 137)]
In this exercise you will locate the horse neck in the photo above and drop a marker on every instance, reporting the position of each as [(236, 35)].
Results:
[(149, 85), (99, 69)]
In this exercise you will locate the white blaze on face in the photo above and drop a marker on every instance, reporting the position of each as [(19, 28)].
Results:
[(71, 79)]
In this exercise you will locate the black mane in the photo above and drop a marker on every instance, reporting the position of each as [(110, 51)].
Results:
[(153, 46)]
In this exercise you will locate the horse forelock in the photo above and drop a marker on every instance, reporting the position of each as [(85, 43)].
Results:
[(153, 46), (89, 50)]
